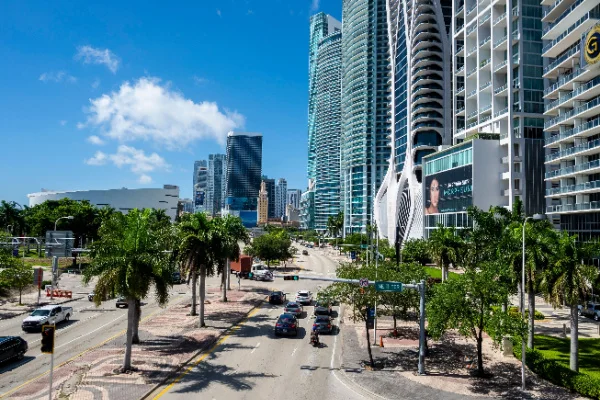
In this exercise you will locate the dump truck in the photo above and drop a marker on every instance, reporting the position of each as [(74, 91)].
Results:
[(241, 267)]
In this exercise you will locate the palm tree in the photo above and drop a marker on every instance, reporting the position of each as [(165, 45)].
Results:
[(568, 280), (129, 259), (195, 254), (443, 247), (228, 231), (12, 214)]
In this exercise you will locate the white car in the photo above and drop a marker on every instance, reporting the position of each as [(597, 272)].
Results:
[(304, 297)]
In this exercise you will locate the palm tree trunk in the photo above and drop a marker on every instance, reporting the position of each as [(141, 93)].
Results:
[(194, 284), (224, 282), (574, 358), (531, 300), (202, 294), (136, 322), (129, 336)]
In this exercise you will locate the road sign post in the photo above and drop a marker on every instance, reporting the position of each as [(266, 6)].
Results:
[(48, 348)]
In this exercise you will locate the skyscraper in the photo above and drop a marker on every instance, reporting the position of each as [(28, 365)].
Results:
[(280, 194), (293, 197), (327, 130), (573, 125), (215, 194), (364, 142), (244, 165), (263, 204), (270, 187), (321, 25), (200, 185), (420, 49)]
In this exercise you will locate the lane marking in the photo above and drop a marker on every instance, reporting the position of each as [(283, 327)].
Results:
[(293, 352), (89, 333), (255, 347), (209, 352), (76, 356)]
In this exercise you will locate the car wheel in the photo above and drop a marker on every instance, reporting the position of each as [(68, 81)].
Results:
[(67, 318), (596, 318), (296, 332), (21, 355), (579, 313)]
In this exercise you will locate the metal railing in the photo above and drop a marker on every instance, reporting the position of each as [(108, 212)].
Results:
[(561, 59), (572, 132), (564, 79), (501, 88), (573, 188), (594, 205), (485, 85), (572, 169), (588, 15), (573, 150), (573, 112)]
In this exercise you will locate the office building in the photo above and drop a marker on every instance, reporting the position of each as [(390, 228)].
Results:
[(270, 186), (200, 185), (280, 194), (420, 110), (263, 204), (243, 178), (321, 25), (572, 127), (123, 200), (215, 191), (293, 197), (307, 209), (365, 103)]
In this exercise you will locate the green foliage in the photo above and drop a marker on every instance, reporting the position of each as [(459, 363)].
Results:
[(400, 304), (514, 311), (13, 214), (17, 277), (436, 273), (271, 246), (416, 250), (335, 224)]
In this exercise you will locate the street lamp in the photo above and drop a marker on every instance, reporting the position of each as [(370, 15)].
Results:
[(535, 217), (70, 217)]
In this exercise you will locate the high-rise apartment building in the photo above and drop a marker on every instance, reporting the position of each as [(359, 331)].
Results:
[(263, 204), (280, 194), (420, 109), (366, 85), (307, 208), (321, 25), (293, 197), (215, 193), (572, 128), (270, 187), (200, 185), (243, 178)]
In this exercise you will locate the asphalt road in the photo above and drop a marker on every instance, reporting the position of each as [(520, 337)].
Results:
[(252, 363), (88, 327)]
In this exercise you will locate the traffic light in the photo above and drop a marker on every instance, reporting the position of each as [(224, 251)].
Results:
[(291, 278), (48, 339)]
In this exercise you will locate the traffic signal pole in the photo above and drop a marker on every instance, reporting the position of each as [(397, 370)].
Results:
[(48, 335), (51, 375)]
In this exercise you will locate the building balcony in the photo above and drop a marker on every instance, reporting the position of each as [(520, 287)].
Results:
[(460, 111), (557, 8), (499, 67), (579, 150), (505, 175), (472, 93), (486, 85), (471, 72), (484, 43), (571, 35), (460, 89), (485, 110), (585, 92), (484, 19), (500, 18), (588, 129), (471, 29), (502, 90), (460, 51), (582, 188), (459, 11), (485, 64), (586, 110), (573, 208), (553, 29), (460, 70), (564, 61), (471, 9), (472, 115), (500, 44), (499, 113), (588, 168), (565, 82), (472, 51)]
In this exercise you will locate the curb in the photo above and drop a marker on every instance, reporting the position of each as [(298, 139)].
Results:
[(196, 354)]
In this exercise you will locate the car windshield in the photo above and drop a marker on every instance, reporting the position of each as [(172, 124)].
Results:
[(292, 305), (301, 294), (276, 294), (40, 313), (322, 319), (286, 320)]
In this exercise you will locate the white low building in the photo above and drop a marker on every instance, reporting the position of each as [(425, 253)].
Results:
[(122, 200)]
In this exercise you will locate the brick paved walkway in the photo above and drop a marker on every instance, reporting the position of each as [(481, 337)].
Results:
[(168, 340)]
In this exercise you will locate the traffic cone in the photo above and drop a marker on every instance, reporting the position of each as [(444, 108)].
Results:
[(380, 341)]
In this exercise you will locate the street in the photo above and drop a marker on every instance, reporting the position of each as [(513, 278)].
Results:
[(252, 363)]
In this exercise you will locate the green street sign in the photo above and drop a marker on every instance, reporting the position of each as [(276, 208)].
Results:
[(364, 246), (388, 286)]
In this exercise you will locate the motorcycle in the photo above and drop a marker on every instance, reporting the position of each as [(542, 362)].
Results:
[(314, 339)]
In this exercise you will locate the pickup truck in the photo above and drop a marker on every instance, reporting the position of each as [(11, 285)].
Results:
[(51, 314)]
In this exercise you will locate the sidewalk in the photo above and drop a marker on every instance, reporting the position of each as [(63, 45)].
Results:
[(168, 340)]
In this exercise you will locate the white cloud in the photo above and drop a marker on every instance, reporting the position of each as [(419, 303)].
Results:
[(62, 122), (149, 111), (98, 159), (218, 12), (145, 179), (95, 140), (315, 5), (96, 83), (91, 55), (58, 76), (199, 81)]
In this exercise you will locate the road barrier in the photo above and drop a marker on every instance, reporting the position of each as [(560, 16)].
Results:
[(59, 293)]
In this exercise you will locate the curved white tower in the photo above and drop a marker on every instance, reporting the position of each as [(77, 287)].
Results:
[(420, 109)]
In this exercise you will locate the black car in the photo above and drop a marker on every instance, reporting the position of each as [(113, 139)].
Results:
[(286, 324), (323, 324), (277, 297), (122, 302), (322, 308), (12, 348)]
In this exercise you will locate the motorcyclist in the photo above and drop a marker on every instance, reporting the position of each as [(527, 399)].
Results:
[(315, 334)]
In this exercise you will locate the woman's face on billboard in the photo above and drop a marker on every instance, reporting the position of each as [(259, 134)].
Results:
[(434, 192)]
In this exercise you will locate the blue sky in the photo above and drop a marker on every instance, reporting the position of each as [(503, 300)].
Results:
[(128, 94)]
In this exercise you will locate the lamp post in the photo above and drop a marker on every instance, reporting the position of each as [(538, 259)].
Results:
[(535, 217), (70, 217)]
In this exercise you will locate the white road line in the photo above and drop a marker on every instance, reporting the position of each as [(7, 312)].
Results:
[(293, 352), (255, 347), (89, 333)]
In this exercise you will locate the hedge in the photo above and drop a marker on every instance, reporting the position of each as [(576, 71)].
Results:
[(558, 373)]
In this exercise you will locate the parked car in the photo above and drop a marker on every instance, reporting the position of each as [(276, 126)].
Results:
[(286, 324), (304, 297), (304, 252), (293, 308), (177, 278), (12, 348), (277, 297), (591, 310), (51, 314), (121, 302), (323, 324)]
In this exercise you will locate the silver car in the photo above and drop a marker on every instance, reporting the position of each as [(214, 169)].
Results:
[(293, 308)]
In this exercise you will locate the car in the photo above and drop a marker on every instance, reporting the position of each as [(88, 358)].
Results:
[(52, 314), (177, 278), (286, 324), (293, 308), (121, 302), (323, 324), (12, 348), (91, 296), (322, 307), (304, 252), (591, 310), (277, 297), (304, 297)]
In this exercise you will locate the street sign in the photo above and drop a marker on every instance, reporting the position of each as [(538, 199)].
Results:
[(353, 255), (363, 282), (38, 274), (388, 286)]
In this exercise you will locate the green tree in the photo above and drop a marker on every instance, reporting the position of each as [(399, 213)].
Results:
[(416, 250), (568, 280), (18, 276), (335, 224), (12, 218), (272, 246), (129, 258), (444, 247)]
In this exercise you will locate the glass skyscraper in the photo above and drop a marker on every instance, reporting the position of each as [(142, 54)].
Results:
[(366, 85), (244, 166), (200, 185), (215, 193)]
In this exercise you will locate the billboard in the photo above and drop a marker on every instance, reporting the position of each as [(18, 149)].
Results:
[(449, 191), (590, 47), (199, 198)]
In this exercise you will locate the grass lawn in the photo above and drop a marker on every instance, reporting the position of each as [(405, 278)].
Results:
[(557, 349), (437, 273)]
